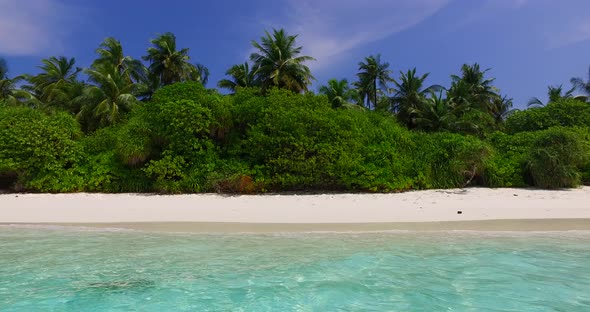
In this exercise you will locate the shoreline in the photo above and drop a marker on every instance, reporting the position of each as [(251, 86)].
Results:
[(522, 225), (481, 209)]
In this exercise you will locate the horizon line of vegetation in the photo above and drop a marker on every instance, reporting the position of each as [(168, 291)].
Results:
[(155, 127)]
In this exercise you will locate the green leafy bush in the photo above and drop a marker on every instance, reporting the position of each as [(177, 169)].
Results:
[(190, 139), (40, 152), (218, 105), (555, 159), (184, 122), (378, 153), (447, 160), (563, 113), (286, 139), (507, 165), (168, 173), (551, 158), (297, 142), (134, 145)]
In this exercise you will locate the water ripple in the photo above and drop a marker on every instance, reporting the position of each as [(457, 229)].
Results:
[(78, 270)]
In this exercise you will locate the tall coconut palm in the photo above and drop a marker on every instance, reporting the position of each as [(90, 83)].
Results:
[(111, 53), (474, 87), (167, 63), (339, 92), (554, 93), (57, 83), (409, 92), (279, 63), (241, 76), (373, 77), (110, 96), (9, 92)]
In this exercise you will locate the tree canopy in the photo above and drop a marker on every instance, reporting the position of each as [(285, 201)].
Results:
[(279, 62), (150, 124)]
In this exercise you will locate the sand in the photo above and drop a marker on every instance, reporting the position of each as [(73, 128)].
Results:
[(458, 209)]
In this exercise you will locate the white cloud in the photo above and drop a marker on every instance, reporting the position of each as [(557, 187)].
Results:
[(30, 27), (573, 32), (484, 9), (329, 28)]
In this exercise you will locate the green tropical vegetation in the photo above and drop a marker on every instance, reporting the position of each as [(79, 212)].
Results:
[(122, 125), (10, 94), (279, 64), (373, 77), (554, 94), (242, 76), (339, 93)]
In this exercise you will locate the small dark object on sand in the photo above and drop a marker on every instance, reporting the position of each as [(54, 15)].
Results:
[(459, 212)]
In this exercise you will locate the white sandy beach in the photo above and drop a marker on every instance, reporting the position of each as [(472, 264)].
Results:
[(480, 208)]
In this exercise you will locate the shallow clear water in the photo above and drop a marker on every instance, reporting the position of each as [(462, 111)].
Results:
[(82, 270)]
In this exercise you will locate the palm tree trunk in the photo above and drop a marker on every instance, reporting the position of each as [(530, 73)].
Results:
[(375, 97)]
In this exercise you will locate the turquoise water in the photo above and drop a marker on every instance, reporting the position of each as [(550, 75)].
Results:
[(83, 270)]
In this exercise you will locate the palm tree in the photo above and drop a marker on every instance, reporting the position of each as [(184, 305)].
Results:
[(111, 53), (409, 93), (436, 113), (9, 93), (339, 92), (58, 81), (363, 89), (168, 64), (501, 108), (108, 99), (554, 93), (373, 77), (147, 86), (201, 74), (472, 87), (583, 86), (279, 63), (241, 77)]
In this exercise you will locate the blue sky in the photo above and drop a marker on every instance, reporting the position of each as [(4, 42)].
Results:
[(528, 44)]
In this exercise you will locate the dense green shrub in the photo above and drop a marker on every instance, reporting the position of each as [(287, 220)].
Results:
[(286, 137), (181, 126), (583, 134), (40, 152), (379, 157), (507, 165), (446, 160), (298, 142), (165, 146), (564, 113), (114, 156), (190, 139), (194, 91), (184, 122), (555, 159), (133, 144), (551, 158)]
